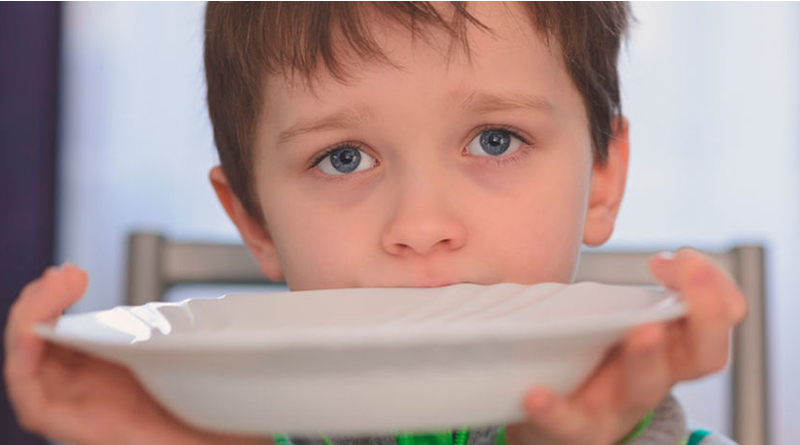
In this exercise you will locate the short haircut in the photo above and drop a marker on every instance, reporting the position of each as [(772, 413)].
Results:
[(246, 42)]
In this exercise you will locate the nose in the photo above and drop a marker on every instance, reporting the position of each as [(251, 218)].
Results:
[(423, 222)]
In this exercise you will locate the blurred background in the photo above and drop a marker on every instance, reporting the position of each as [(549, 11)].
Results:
[(103, 130)]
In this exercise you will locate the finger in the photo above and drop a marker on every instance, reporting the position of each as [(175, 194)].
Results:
[(49, 295), (689, 269), (645, 370), (41, 301), (56, 290), (662, 267), (61, 288), (61, 372), (10, 329), (560, 420), (19, 350), (632, 380), (709, 293), (714, 305), (82, 390)]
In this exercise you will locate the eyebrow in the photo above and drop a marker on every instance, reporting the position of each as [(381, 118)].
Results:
[(480, 103), (474, 103), (341, 119)]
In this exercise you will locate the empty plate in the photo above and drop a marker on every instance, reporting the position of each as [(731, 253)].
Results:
[(367, 360)]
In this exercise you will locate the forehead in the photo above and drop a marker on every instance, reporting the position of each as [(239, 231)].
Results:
[(510, 59)]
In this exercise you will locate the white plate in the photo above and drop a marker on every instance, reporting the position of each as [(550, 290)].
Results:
[(365, 361)]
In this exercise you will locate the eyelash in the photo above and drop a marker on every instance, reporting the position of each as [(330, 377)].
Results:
[(502, 160), (517, 156), (328, 151)]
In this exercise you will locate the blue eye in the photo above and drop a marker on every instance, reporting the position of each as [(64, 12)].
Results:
[(494, 142), (344, 160)]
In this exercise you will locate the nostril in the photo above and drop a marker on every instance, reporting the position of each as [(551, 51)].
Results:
[(422, 236), (400, 248)]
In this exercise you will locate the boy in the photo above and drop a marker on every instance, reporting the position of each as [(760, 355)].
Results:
[(414, 145)]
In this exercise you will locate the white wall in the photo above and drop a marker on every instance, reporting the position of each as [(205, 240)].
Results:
[(710, 90), (136, 140)]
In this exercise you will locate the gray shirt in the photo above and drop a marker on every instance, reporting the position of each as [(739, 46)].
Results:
[(668, 427)]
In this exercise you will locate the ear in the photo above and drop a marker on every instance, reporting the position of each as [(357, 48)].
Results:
[(255, 235), (607, 187)]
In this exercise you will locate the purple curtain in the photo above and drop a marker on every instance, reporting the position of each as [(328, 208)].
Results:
[(29, 62)]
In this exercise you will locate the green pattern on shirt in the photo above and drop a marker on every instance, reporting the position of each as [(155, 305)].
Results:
[(698, 436)]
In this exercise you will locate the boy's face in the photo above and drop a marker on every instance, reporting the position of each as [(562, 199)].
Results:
[(433, 186)]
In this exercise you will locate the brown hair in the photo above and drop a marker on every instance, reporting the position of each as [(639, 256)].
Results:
[(245, 42)]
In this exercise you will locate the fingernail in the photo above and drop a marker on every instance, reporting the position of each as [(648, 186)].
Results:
[(666, 255)]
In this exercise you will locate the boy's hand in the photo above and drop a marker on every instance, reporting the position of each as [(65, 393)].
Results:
[(640, 372), (68, 396)]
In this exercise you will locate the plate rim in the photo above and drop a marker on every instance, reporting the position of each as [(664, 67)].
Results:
[(668, 307)]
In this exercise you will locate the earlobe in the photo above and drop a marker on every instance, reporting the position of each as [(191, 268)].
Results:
[(255, 235), (607, 187)]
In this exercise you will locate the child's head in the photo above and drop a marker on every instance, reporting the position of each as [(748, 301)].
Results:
[(403, 144)]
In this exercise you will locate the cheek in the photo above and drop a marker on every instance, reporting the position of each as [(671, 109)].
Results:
[(540, 238), (316, 245)]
